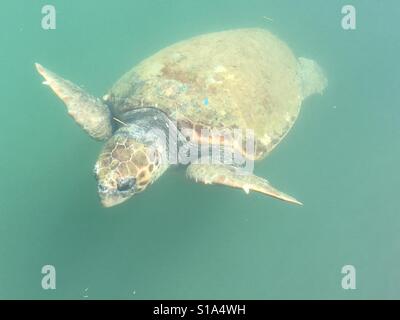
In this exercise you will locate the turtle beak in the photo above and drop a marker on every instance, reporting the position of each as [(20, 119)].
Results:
[(108, 203), (110, 199)]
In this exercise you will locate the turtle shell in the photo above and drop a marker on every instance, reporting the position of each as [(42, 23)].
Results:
[(237, 79)]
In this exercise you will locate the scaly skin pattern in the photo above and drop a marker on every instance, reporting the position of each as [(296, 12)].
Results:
[(123, 157), (238, 79)]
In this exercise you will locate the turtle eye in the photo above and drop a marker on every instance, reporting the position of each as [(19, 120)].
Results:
[(126, 184)]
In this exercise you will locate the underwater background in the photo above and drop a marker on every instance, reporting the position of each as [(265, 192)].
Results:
[(179, 239)]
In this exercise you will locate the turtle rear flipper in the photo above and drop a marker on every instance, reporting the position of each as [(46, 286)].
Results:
[(312, 77), (89, 112), (236, 178)]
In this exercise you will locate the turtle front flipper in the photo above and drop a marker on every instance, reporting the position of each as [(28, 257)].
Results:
[(236, 178), (89, 112)]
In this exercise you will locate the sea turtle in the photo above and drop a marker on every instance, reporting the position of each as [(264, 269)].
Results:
[(245, 79)]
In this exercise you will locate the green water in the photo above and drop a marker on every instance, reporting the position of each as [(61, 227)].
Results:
[(185, 240)]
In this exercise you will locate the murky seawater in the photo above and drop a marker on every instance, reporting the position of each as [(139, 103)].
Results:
[(185, 240)]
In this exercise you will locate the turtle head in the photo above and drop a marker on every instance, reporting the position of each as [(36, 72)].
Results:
[(126, 166)]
